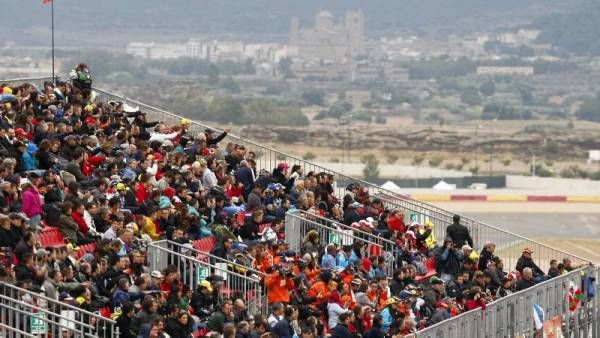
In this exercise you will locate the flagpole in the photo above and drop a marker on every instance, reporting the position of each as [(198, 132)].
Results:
[(52, 9)]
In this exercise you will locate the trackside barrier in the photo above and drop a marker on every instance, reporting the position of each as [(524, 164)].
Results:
[(513, 316), (25, 313), (193, 270), (299, 223), (509, 246)]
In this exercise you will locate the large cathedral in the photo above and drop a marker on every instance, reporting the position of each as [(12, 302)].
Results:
[(329, 40)]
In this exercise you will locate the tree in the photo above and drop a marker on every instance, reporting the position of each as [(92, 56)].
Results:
[(371, 169), (213, 73), (526, 93), (249, 68), (285, 67), (226, 109), (313, 97), (488, 88), (470, 96), (589, 110), (231, 85)]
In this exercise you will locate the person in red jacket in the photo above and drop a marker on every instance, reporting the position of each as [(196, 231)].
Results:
[(278, 284), (90, 163), (77, 216), (396, 221), (142, 189), (476, 299)]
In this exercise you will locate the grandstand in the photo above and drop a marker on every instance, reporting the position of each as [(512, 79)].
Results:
[(168, 244)]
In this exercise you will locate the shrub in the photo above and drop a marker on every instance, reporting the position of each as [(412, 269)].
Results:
[(392, 158), (418, 160), (436, 161), (309, 156)]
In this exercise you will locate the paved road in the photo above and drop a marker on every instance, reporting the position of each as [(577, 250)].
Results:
[(547, 225)]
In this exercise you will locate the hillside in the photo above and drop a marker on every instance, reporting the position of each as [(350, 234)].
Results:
[(80, 24), (575, 32)]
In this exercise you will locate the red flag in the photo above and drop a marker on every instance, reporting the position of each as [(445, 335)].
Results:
[(46, 1)]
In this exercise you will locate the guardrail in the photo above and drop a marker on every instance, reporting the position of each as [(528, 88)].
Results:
[(509, 246), (299, 223), (512, 316), (24, 313), (193, 270)]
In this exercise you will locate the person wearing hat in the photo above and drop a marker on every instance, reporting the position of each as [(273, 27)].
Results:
[(211, 139), (506, 289), (426, 237), (435, 292), (390, 314), (203, 300), (127, 197), (526, 261)]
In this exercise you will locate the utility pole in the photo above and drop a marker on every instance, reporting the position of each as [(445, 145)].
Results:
[(52, 14)]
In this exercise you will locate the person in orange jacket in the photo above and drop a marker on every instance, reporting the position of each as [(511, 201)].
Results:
[(320, 290), (278, 285)]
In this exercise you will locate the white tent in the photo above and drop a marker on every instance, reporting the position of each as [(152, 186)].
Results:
[(441, 185), (389, 185)]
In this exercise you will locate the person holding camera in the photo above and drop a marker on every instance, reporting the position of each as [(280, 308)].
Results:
[(279, 283), (448, 260)]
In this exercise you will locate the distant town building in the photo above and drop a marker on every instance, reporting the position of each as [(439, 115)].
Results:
[(320, 71), (489, 70), (521, 37), (329, 40), (212, 50)]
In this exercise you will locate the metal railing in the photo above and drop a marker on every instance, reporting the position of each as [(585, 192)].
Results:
[(299, 223), (24, 313), (512, 316), (193, 270)]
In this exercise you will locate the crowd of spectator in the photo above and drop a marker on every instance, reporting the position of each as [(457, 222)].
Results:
[(106, 175)]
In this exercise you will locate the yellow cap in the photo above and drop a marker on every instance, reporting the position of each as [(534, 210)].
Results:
[(89, 108), (121, 186), (185, 122), (207, 285), (428, 223), (71, 247)]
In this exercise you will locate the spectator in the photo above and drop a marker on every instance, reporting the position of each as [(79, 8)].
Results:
[(334, 308), (448, 260), (526, 261), (487, 255), (341, 329), (221, 317), (526, 281), (278, 283), (553, 270), (459, 233)]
